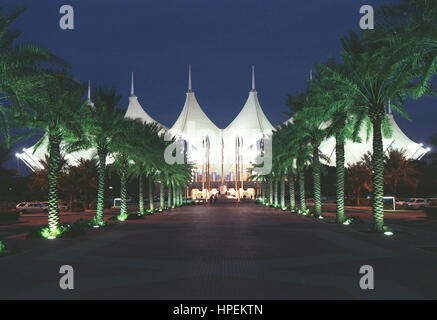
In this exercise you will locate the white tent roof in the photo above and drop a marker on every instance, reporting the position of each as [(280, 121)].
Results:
[(32, 158), (250, 126), (355, 151), (136, 111), (194, 126)]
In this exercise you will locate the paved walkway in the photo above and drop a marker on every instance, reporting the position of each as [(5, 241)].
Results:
[(224, 251)]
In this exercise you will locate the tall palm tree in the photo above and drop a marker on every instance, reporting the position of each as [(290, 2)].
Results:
[(21, 68), (57, 111), (298, 152), (339, 113), (101, 124), (145, 150), (373, 78), (309, 109), (410, 26)]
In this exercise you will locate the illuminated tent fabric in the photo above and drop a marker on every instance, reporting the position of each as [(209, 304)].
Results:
[(136, 111), (250, 126), (32, 157), (194, 126), (355, 151)]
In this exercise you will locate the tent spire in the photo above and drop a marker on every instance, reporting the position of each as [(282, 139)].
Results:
[(253, 78), (389, 106), (89, 90), (132, 87), (190, 86)]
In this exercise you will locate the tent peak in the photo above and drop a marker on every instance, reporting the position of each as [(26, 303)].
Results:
[(89, 90), (190, 85), (132, 86), (253, 79)]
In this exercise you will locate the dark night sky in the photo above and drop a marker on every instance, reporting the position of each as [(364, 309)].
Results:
[(221, 39)]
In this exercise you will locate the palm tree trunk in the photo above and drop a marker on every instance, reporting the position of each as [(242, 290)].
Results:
[(161, 195), (282, 191), (276, 193), (181, 200), (378, 175), (53, 174), (152, 207), (101, 188), (291, 190), (316, 182), (123, 191), (175, 204), (141, 194), (263, 191), (303, 206), (169, 196), (339, 163), (271, 192)]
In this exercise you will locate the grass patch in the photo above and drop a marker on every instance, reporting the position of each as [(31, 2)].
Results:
[(76, 229)]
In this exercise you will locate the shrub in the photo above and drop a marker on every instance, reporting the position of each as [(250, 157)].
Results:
[(78, 228)]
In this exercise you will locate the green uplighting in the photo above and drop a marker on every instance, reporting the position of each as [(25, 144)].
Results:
[(122, 217), (2, 247), (52, 234)]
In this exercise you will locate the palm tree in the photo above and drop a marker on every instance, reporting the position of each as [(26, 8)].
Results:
[(309, 110), (339, 112), (144, 148), (410, 26), (21, 68), (399, 169), (57, 111), (38, 180), (101, 124), (298, 152), (373, 79), (359, 177)]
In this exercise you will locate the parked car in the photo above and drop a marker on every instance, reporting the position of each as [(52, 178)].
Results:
[(417, 203), (36, 207), (31, 207)]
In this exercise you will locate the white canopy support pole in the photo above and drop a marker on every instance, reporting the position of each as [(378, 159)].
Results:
[(190, 85), (253, 78), (132, 86)]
